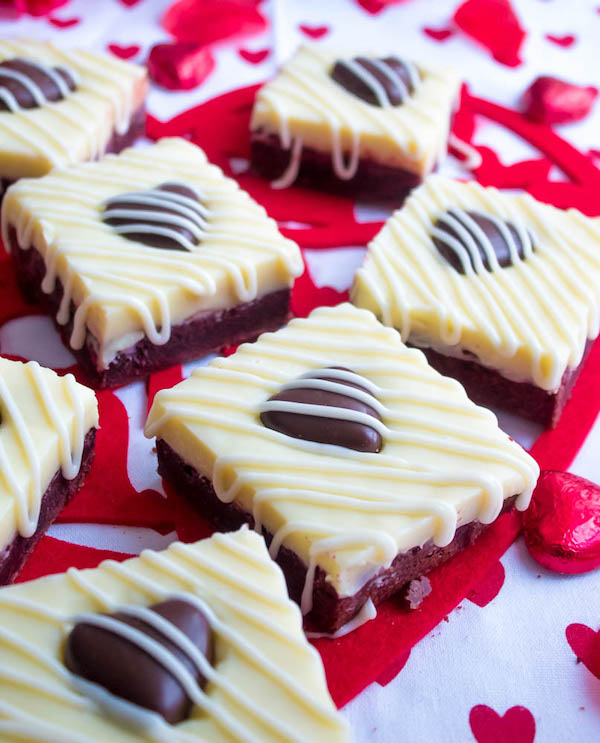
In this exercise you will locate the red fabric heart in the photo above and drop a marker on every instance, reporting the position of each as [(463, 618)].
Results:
[(180, 66), (494, 24), (129, 3), (376, 6), (254, 57), (517, 725), (564, 41), (163, 380), (585, 643), (549, 100), (390, 673), (306, 296), (16, 8), (314, 32), (438, 34), (64, 22), (210, 21), (124, 52), (562, 524), (489, 587)]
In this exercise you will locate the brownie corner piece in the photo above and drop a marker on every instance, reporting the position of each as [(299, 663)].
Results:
[(499, 290), (361, 465), (153, 258), (369, 126), (47, 433)]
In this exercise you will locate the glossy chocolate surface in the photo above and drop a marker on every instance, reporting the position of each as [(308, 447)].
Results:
[(38, 79), (390, 73)]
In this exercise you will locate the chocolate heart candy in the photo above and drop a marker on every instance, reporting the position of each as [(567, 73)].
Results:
[(283, 411), (27, 84), (380, 82), (125, 669), (169, 216), (479, 235)]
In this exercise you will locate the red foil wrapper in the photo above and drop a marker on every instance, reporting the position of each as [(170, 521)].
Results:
[(562, 524), (16, 8), (549, 100), (180, 66), (210, 21)]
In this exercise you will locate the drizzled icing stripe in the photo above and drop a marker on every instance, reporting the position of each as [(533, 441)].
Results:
[(305, 81), (181, 564), (373, 83), (328, 486), (530, 320), (28, 496), (100, 81), (118, 272)]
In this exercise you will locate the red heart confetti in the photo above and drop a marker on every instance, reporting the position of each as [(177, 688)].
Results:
[(64, 22), (585, 643), (494, 24), (562, 524), (254, 57), (124, 52), (376, 6), (210, 21), (489, 587), (16, 8), (181, 66), (313, 32), (564, 41), (549, 100), (438, 34), (517, 725)]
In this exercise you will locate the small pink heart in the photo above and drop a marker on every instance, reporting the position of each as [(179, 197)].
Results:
[(124, 52), (564, 41), (313, 32), (438, 34), (585, 643), (254, 57), (63, 22), (489, 587), (515, 726)]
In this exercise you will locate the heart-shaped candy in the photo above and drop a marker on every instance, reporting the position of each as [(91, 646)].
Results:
[(562, 524), (585, 643)]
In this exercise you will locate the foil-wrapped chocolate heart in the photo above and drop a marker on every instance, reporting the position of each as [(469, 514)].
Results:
[(562, 524)]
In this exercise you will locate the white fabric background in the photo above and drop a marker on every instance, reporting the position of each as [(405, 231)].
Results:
[(513, 651)]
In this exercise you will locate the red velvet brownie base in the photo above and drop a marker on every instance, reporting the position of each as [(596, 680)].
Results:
[(117, 142), (330, 612), (372, 181), (56, 497), (488, 387), (189, 340)]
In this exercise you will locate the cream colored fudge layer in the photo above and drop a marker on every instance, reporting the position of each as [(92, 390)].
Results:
[(268, 684), (77, 128), (444, 461), (124, 290), (303, 103), (44, 420), (530, 321)]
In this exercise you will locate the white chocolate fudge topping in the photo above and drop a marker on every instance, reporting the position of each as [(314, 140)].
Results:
[(443, 463), (44, 420), (266, 684), (305, 107), (529, 320), (123, 289), (78, 127)]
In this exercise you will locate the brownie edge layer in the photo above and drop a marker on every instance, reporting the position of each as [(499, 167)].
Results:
[(58, 493), (189, 340), (330, 612)]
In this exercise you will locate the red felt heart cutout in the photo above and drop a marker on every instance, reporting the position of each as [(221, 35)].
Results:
[(254, 57), (438, 34), (549, 100), (63, 22), (313, 32), (124, 52), (180, 66), (562, 524), (494, 24), (515, 726), (489, 587), (564, 41), (585, 643), (376, 6)]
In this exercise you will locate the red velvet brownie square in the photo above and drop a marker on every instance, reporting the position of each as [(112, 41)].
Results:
[(363, 467), (59, 107), (148, 258), (47, 430), (499, 290), (369, 126)]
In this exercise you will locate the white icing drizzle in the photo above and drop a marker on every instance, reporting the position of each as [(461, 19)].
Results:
[(99, 80), (306, 80), (329, 479), (367, 612), (180, 564), (529, 320), (472, 155), (28, 498), (115, 270)]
